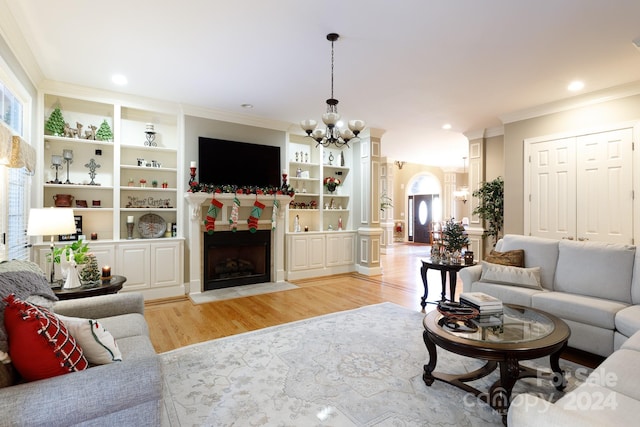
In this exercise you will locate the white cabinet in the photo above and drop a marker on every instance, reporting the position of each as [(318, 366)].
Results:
[(316, 254), (581, 187), (151, 266), (340, 249)]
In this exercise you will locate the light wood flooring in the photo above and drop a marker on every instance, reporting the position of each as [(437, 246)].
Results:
[(174, 323)]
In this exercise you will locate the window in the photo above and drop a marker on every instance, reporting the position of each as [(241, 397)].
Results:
[(15, 183)]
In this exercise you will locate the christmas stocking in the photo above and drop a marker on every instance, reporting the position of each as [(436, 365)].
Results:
[(233, 219), (274, 214), (210, 222), (256, 211)]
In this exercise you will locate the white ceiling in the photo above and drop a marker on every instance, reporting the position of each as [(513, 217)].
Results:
[(406, 67)]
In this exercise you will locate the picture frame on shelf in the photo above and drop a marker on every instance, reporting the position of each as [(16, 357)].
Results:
[(74, 236)]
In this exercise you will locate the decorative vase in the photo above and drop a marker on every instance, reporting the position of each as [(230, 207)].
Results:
[(331, 187), (63, 200)]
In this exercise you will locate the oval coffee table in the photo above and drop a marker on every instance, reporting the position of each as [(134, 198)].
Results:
[(524, 333)]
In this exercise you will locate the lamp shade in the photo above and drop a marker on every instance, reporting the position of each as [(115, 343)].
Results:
[(51, 221)]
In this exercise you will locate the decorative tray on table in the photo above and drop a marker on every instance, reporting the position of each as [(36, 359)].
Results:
[(456, 316)]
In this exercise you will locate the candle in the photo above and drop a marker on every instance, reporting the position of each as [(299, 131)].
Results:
[(193, 163), (94, 236), (106, 271), (130, 219), (284, 172)]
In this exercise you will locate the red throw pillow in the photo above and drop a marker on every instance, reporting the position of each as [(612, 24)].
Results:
[(39, 344)]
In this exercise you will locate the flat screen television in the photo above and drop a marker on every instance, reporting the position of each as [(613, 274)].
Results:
[(222, 162)]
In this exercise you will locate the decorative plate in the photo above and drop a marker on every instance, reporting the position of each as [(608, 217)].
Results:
[(151, 225)]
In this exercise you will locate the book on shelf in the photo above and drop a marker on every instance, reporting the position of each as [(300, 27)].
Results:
[(481, 301)]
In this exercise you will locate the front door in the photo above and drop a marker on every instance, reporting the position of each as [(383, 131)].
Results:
[(422, 218)]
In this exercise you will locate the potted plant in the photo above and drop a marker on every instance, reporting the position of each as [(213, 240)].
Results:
[(331, 183), (154, 183), (79, 248), (165, 184), (385, 202), (491, 207), (454, 238)]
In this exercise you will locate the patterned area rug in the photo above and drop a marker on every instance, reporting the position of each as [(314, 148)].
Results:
[(355, 368), (241, 291)]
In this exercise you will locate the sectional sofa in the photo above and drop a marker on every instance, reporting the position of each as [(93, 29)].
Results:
[(594, 287)]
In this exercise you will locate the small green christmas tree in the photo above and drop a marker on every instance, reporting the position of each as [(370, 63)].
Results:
[(454, 236), (104, 133), (55, 123), (90, 274)]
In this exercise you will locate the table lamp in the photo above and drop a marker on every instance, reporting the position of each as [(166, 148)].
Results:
[(51, 222)]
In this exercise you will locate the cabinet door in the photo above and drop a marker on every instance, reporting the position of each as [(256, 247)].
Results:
[(605, 189), (340, 249), (316, 251), (298, 253), (165, 264), (552, 206), (134, 264)]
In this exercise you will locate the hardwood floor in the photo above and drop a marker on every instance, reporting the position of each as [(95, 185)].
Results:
[(178, 322)]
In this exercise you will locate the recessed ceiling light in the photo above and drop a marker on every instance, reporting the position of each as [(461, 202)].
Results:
[(247, 106), (575, 86), (446, 126), (119, 79)]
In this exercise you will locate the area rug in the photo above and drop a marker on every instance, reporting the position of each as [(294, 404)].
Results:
[(240, 291), (360, 367)]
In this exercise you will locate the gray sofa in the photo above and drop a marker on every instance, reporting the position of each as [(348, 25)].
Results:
[(126, 393), (594, 287)]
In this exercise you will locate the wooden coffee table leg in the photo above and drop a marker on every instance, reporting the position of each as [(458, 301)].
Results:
[(500, 391), (558, 379), (433, 359)]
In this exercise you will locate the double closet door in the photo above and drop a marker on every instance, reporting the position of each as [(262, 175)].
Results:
[(581, 187)]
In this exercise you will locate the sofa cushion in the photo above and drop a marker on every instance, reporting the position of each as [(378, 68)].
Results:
[(97, 343), (506, 294), (597, 269), (538, 252), (514, 258), (579, 308), (619, 372), (512, 276), (126, 325), (39, 344), (633, 343), (628, 320)]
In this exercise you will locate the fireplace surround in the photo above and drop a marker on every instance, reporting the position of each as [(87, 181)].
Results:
[(198, 203)]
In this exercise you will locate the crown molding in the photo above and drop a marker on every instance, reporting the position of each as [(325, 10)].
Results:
[(580, 101)]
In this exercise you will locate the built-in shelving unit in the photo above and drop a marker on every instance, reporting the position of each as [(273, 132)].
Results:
[(320, 233), (137, 172)]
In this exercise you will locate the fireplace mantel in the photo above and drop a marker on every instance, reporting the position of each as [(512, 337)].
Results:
[(198, 206)]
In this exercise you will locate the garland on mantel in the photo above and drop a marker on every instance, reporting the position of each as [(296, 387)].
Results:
[(197, 187)]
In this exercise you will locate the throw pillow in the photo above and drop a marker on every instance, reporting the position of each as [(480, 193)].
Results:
[(508, 275), (97, 343), (39, 344), (514, 258)]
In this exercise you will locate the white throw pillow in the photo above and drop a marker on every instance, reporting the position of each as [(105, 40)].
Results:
[(97, 343), (507, 275)]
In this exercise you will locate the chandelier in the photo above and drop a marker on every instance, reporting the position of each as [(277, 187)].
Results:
[(463, 193), (332, 134)]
